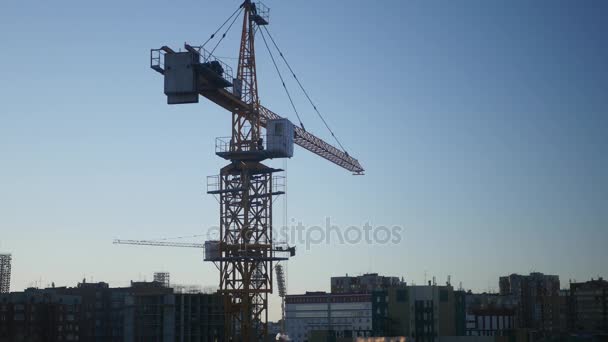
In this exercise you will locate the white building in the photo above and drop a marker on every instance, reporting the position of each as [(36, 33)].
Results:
[(347, 315)]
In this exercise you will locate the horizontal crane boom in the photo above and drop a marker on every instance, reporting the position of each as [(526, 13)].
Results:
[(159, 243), (234, 104)]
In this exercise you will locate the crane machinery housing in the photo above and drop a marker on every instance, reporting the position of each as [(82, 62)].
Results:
[(245, 253)]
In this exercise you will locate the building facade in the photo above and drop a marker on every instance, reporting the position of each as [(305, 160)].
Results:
[(490, 314), (366, 283), (421, 313), (538, 297), (589, 307), (199, 317), (95, 312), (345, 315), (491, 321), (38, 315)]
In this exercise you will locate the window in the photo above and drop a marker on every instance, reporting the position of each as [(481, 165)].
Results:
[(401, 295)]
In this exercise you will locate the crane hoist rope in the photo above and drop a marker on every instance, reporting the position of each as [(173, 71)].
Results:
[(226, 32), (238, 10), (234, 16), (304, 90), (282, 80)]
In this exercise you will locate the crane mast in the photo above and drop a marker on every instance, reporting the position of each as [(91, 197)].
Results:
[(245, 194), (246, 123)]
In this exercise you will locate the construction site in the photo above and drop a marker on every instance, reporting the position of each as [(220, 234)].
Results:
[(248, 258), (145, 182), (246, 254)]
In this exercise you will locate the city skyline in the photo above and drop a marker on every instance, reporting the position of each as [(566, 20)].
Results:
[(528, 307), (481, 127)]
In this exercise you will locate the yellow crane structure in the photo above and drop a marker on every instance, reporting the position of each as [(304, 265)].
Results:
[(245, 252)]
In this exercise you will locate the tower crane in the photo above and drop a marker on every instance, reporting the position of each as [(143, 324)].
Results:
[(246, 187)]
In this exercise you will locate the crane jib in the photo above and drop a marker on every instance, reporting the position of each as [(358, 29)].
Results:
[(234, 104)]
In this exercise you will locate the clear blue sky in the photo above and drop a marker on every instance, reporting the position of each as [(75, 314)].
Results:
[(482, 126)]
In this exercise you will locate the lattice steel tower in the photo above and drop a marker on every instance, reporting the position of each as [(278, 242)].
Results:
[(5, 273), (246, 193), (163, 278)]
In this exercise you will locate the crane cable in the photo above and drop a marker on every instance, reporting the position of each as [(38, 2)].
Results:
[(282, 81), (226, 32), (304, 90), (180, 237), (227, 20)]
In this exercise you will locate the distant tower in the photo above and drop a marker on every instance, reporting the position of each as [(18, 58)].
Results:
[(163, 278), (282, 293), (5, 273)]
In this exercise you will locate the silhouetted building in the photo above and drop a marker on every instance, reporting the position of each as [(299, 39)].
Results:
[(366, 283), (101, 318), (199, 317), (565, 312), (538, 300), (418, 312), (145, 311), (149, 312), (39, 315), (589, 302)]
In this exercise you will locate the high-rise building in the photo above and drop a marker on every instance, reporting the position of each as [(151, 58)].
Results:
[(589, 306), (199, 317), (366, 283), (139, 312), (39, 315), (538, 296), (5, 273)]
